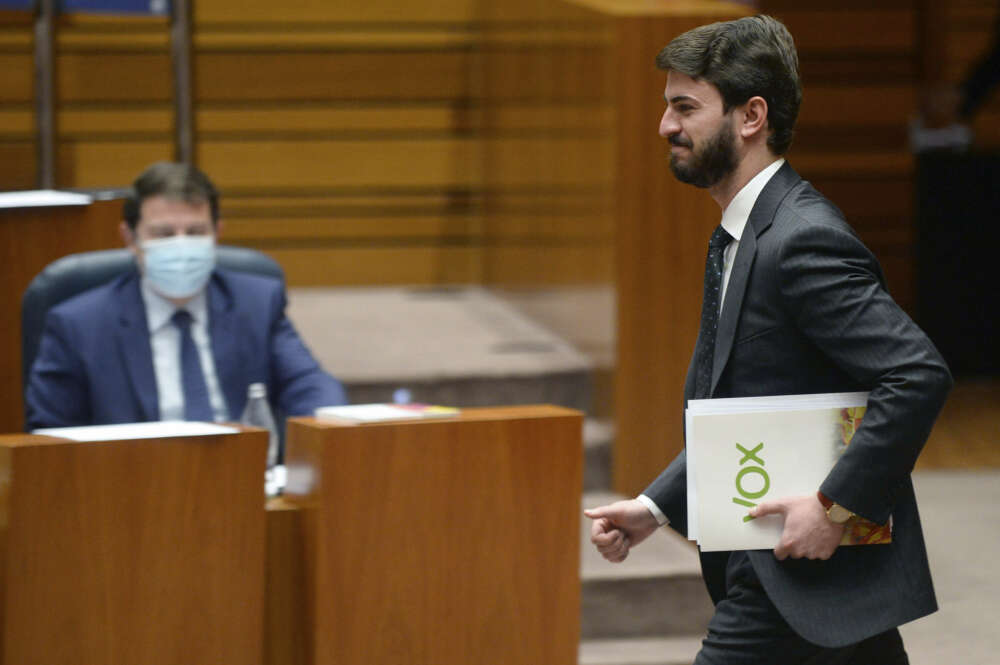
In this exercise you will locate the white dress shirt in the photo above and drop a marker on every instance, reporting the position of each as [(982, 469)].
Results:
[(734, 220), (165, 344), (736, 214)]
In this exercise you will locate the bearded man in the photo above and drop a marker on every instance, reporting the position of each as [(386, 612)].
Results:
[(794, 303)]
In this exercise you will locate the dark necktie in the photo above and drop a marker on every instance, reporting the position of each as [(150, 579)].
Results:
[(710, 312), (196, 403)]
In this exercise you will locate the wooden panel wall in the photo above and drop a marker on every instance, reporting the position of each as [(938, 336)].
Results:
[(373, 142), (113, 84), (348, 138), (343, 135), (858, 62), (549, 75), (17, 124)]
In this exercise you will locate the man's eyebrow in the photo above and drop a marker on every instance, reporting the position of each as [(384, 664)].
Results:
[(676, 99)]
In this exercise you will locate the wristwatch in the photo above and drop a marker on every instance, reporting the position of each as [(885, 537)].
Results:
[(834, 511)]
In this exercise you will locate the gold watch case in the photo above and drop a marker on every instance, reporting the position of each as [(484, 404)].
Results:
[(838, 514)]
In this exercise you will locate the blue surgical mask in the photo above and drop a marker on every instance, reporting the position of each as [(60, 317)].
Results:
[(179, 266)]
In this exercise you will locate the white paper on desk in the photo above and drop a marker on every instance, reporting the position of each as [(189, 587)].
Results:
[(801, 435), (154, 430), (43, 197), (377, 413)]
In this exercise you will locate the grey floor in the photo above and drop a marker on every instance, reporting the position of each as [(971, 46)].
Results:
[(961, 518)]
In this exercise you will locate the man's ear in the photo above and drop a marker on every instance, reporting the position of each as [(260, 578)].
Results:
[(128, 236), (218, 230), (754, 120)]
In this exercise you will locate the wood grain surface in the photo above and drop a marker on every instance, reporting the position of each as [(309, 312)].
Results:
[(133, 552), (30, 239), (286, 630), (446, 542)]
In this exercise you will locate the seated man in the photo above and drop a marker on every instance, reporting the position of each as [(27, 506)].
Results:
[(177, 338)]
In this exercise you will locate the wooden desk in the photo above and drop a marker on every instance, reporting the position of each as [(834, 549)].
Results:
[(30, 239), (145, 552), (436, 541)]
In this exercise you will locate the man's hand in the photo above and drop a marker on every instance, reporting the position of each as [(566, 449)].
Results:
[(808, 533), (619, 526)]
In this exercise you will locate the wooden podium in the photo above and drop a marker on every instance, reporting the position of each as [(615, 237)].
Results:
[(139, 552), (438, 541), (31, 239)]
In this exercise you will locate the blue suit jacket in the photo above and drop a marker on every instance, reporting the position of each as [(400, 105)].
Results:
[(95, 364)]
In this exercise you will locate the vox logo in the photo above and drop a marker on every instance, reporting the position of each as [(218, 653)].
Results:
[(752, 481)]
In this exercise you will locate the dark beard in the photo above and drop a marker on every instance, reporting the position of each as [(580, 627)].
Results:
[(715, 160)]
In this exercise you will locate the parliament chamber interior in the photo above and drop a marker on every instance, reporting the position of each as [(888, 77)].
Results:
[(468, 203)]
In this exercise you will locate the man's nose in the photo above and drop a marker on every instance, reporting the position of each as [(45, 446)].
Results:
[(668, 124)]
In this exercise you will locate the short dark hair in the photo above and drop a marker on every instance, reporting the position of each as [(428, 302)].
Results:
[(747, 57), (173, 180)]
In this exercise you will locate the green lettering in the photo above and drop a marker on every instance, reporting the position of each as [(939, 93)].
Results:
[(752, 469), (750, 454)]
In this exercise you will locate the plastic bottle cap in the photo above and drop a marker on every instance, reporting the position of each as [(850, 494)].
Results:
[(257, 390)]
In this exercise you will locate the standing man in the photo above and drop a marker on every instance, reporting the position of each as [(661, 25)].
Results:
[(793, 303), (177, 338)]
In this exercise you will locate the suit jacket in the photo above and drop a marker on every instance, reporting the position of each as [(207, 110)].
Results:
[(95, 364), (807, 311)]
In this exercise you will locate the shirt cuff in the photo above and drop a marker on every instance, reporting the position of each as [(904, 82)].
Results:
[(661, 519)]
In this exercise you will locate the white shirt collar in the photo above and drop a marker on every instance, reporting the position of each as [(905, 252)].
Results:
[(736, 214), (159, 310)]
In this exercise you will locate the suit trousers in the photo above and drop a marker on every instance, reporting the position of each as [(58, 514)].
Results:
[(747, 629)]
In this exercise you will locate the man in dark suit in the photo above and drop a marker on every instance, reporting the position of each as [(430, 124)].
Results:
[(177, 338), (804, 309)]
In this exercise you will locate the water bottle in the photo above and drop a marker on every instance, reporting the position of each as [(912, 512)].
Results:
[(257, 413)]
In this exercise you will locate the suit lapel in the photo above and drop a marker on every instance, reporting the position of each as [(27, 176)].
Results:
[(133, 341), (229, 361), (738, 277), (760, 219)]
